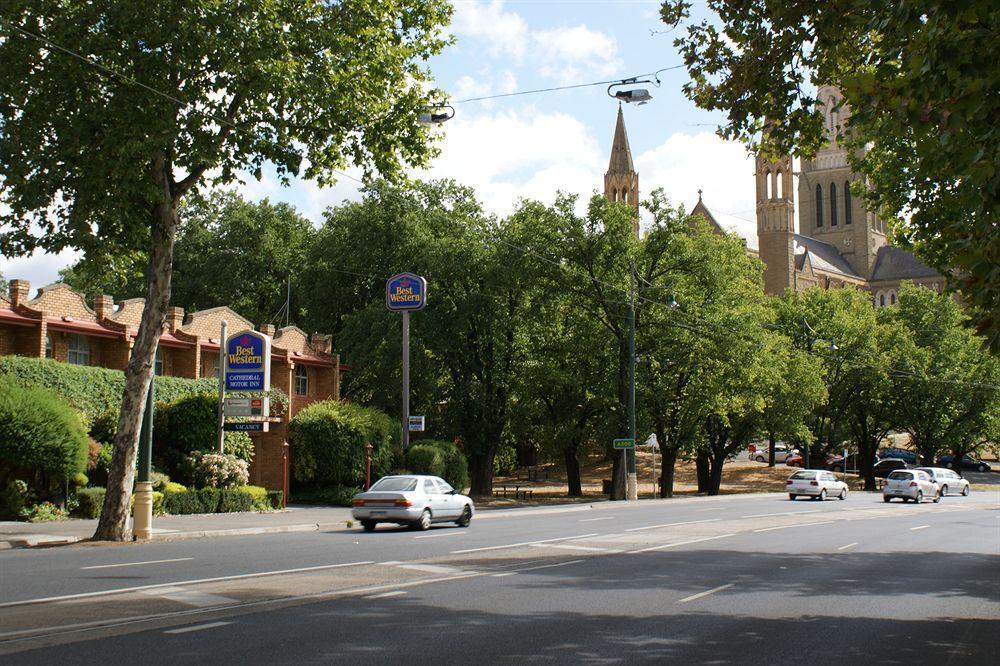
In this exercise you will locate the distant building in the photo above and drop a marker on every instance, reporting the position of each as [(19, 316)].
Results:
[(58, 323)]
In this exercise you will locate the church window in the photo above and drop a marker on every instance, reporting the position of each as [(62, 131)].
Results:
[(833, 204), (847, 202), (892, 298), (819, 205), (881, 300), (778, 189), (767, 184), (624, 194)]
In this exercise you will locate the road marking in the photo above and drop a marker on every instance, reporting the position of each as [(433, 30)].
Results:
[(706, 593), (544, 566), (715, 508), (385, 595), (197, 627), (441, 534), (785, 527), (566, 546), (783, 513), (190, 597), (135, 564), (390, 563), (850, 545), (590, 520), (431, 568), (195, 581), (678, 543), (686, 522), (919, 527), (513, 545)]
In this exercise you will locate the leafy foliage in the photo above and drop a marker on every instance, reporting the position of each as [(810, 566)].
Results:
[(439, 458), (89, 502), (217, 470), (190, 424)]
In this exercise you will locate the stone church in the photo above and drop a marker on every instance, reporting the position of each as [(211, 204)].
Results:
[(837, 242)]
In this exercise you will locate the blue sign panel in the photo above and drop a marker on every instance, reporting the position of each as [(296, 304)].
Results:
[(245, 427), (245, 352), (245, 381), (406, 291)]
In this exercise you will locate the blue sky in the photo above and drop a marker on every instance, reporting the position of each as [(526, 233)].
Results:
[(531, 146)]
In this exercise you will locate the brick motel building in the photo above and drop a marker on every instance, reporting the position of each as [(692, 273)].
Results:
[(58, 323)]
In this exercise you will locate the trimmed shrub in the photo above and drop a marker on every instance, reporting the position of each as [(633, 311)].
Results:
[(425, 459), (209, 499), (159, 480), (79, 480), (183, 503), (276, 499), (39, 433), (171, 487), (454, 468), (233, 500), (14, 497), (212, 470), (158, 508), (91, 501), (333, 495), (189, 424), (329, 440), (261, 502)]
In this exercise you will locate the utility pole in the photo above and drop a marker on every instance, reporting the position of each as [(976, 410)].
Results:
[(632, 485)]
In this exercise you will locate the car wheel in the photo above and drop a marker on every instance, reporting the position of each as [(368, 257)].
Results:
[(792, 497), (944, 490), (465, 518), (822, 495), (368, 525), (937, 498), (965, 491), (982, 467), (424, 522), (759, 458), (886, 499), (920, 497), (843, 494)]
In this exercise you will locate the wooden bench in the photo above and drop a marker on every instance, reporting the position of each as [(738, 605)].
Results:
[(501, 490), (533, 472)]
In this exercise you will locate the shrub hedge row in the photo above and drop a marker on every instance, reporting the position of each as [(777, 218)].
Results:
[(90, 501), (439, 458)]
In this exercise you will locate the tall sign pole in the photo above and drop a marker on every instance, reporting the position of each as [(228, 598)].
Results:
[(632, 484), (405, 293), (220, 372)]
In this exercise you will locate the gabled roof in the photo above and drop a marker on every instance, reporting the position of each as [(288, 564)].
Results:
[(893, 263), (823, 256), (621, 154), (727, 223)]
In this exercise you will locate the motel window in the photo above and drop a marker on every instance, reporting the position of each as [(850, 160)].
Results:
[(48, 346), (301, 380), (158, 362), (79, 350)]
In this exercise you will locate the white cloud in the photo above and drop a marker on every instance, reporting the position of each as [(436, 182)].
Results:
[(570, 54), (467, 86), (40, 268), (506, 33)]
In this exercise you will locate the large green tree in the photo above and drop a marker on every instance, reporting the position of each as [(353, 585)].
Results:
[(115, 110), (922, 83)]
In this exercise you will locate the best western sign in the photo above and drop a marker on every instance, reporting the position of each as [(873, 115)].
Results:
[(248, 361), (406, 291)]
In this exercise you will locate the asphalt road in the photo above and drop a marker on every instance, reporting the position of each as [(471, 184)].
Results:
[(728, 580)]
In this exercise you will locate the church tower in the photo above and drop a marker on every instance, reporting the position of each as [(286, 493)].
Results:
[(776, 222), (621, 182)]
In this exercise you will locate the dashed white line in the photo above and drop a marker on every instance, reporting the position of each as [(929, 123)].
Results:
[(384, 595), (544, 566), (714, 508), (431, 568), (197, 627), (515, 545), (846, 546), (441, 534), (782, 513), (785, 527), (591, 520), (686, 522), (678, 543), (135, 564), (566, 546), (919, 527), (706, 593)]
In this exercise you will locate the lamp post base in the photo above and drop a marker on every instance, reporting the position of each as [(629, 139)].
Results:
[(142, 511), (632, 486)]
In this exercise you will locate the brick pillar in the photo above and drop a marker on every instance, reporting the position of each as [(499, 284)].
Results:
[(104, 306), (267, 329), (175, 318), (19, 292), (43, 332)]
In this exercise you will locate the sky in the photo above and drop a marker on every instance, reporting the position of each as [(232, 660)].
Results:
[(531, 146)]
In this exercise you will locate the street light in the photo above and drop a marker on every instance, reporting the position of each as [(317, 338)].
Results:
[(436, 115), (638, 96)]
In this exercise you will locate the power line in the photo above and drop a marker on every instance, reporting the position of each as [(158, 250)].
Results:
[(568, 87)]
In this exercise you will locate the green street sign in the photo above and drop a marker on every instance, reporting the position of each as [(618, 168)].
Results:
[(624, 444)]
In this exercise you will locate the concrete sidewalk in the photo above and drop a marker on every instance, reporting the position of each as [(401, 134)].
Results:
[(296, 518)]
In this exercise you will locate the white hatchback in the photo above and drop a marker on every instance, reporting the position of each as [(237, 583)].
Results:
[(948, 480), (910, 484), (815, 484)]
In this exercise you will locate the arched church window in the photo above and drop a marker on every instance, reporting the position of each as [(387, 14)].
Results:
[(624, 194), (892, 298), (833, 204), (767, 184), (847, 202), (881, 300), (778, 187), (819, 205), (834, 116)]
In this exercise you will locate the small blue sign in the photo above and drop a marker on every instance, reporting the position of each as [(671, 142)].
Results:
[(406, 291), (244, 427), (245, 381)]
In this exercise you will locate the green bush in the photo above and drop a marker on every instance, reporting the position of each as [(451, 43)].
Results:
[(209, 499), (333, 495), (276, 499), (79, 480), (98, 473), (233, 500), (425, 459), (159, 480), (158, 507), (171, 487), (261, 502), (90, 502), (190, 424), (328, 439), (183, 503), (14, 497), (453, 467), (215, 470), (43, 512), (40, 434)]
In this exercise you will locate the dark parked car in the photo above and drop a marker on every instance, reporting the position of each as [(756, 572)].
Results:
[(968, 462), (909, 457), (886, 465)]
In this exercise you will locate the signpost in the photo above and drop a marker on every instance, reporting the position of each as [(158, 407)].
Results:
[(623, 444), (245, 365), (405, 293), (416, 424), (246, 426)]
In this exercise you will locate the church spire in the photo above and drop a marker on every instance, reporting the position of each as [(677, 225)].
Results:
[(621, 182)]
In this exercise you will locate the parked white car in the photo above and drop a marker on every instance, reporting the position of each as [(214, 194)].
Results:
[(910, 484), (780, 453), (412, 500), (948, 480), (815, 484)]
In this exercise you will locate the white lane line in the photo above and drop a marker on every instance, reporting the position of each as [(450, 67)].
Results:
[(441, 534), (686, 522), (189, 597), (678, 543), (706, 593), (431, 568), (919, 527), (385, 595), (850, 545), (194, 581), (715, 508), (591, 520), (783, 513), (512, 545), (390, 563), (566, 546), (135, 564), (197, 627), (544, 566), (785, 527)]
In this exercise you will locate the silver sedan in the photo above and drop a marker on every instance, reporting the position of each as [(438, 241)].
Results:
[(414, 500)]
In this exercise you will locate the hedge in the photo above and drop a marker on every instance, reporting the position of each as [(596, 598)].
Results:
[(439, 458), (208, 500), (333, 495), (90, 502), (328, 440), (39, 432), (190, 424)]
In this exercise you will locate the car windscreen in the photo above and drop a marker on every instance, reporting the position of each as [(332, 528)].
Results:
[(395, 483), (804, 475), (900, 476)]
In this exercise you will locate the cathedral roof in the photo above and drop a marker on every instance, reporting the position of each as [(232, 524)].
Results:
[(621, 154), (745, 229), (892, 263), (822, 255)]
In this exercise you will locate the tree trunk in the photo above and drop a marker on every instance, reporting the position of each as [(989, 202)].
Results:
[(575, 489), (715, 473), (113, 524), (770, 451), (481, 473), (701, 465), (667, 465), (866, 463), (618, 476)]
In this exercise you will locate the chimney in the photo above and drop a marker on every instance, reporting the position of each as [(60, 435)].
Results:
[(104, 306), (322, 343), (19, 292), (267, 329), (175, 318)]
